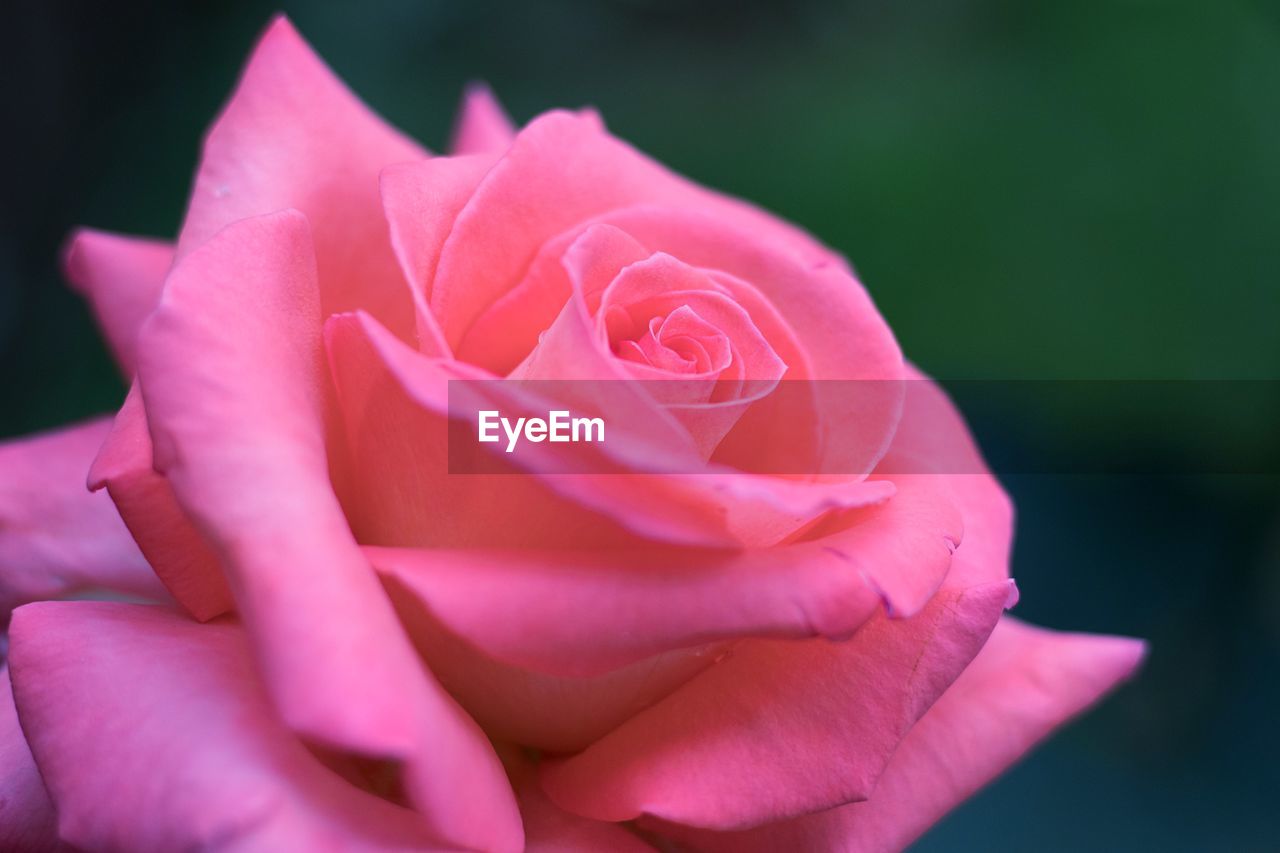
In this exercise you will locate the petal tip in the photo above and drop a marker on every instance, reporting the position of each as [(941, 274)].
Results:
[(280, 27), (1129, 655), (71, 255), (27, 618), (477, 90), (1014, 596), (482, 124)]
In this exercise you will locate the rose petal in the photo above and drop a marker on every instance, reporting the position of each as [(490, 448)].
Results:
[(175, 550), (561, 169), (932, 436), (181, 750), (779, 728), (548, 829), (1025, 683), (233, 380), (420, 201), (395, 402), (483, 125), (509, 328), (56, 538), (121, 276), (548, 712), (582, 613), (293, 136), (27, 819)]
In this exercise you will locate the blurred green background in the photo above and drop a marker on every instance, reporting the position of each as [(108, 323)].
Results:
[(1029, 190)]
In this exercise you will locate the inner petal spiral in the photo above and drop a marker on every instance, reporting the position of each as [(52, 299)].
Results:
[(679, 342)]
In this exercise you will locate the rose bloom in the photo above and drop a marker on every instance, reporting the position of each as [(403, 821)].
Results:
[(316, 637)]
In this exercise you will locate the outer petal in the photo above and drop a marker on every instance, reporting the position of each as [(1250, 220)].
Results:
[(1026, 682), (483, 125), (234, 387), (547, 712), (932, 437), (777, 728), (27, 819), (578, 613), (56, 537), (153, 733), (294, 136), (793, 694), (121, 277), (176, 551)]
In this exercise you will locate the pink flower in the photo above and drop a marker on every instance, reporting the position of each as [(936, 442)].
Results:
[(349, 647)]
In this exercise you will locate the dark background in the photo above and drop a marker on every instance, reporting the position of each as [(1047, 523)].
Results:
[(1029, 190)]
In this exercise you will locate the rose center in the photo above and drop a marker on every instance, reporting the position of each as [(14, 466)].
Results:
[(678, 342)]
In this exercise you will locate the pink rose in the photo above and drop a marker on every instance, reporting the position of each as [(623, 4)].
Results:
[(350, 647)]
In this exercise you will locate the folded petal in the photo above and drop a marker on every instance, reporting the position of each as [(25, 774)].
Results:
[(582, 613), (420, 201), (175, 550), (553, 713), (932, 443), (483, 126), (152, 733), (121, 276), (293, 136), (548, 829), (27, 819), (233, 380), (56, 538), (395, 403), (1025, 683), (778, 728)]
